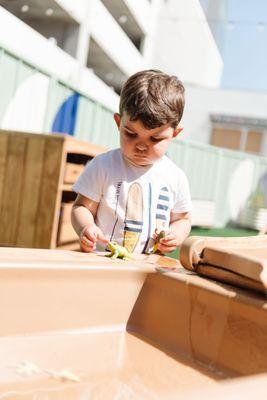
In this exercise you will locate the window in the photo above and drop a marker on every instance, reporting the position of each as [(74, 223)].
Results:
[(254, 141), (226, 138), (241, 139)]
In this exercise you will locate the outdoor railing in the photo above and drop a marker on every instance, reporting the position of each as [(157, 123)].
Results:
[(35, 100), (229, 178), (226, 177)]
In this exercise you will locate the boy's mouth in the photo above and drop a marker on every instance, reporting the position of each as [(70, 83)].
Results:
[(141, 158), (140, 155)]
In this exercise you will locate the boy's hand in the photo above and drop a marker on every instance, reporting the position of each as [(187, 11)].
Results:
[(169, 242), (89, 236)]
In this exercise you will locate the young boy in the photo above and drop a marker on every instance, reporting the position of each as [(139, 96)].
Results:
[(132, 193)]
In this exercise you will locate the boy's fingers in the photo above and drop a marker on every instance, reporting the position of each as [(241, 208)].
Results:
[(168, 243), (102, 237), (168, 238), (155, 234), (87, 242), (90, 235), (86, 248), (166, 249), (85, 233)]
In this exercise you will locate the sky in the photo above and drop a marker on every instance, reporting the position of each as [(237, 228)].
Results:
[(240, 30)]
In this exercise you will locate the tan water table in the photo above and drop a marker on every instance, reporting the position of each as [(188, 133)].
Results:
[(82, 326)]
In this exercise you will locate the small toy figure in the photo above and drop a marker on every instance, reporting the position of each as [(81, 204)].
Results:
[(159, 236), (27, 368), (64, 375), (118, 251)]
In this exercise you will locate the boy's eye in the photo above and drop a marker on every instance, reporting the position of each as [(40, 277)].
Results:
[(153, 139), (130, 134)]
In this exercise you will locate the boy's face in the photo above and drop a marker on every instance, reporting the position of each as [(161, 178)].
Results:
[(143, 146)]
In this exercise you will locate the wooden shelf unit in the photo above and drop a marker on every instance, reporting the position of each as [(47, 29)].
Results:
[(37, 172)]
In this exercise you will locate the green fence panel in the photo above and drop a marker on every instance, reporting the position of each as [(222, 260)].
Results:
[(85, 119), (13, 72), (110, 131), (200, 165), (229, 163), (210, 170), (95, 124), (8, 74), (177, 151), (260, 170), (57, 94)]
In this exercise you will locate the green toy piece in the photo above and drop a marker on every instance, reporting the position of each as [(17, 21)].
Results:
[(159, 236), (118, 251)]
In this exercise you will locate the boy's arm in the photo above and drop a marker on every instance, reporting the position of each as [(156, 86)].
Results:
[(82, 218), (180, 226)]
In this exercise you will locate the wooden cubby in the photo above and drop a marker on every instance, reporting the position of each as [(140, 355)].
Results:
[(37, 172)]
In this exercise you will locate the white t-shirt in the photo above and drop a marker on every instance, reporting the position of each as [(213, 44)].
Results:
[(133, 200)]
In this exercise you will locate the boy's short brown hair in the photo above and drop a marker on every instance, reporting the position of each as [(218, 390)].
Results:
[(153, 97)]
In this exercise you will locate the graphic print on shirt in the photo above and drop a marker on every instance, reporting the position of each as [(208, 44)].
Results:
[(163, 205), (117, 194), (133, 217), (161, 217), (149, 242)]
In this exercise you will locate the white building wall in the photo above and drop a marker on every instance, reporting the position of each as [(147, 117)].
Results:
[(109, 35), (183, 44), (177, 40), (77, 9), (96, 21), (141, 10), (201, 102), (148, 45), (25, 42)]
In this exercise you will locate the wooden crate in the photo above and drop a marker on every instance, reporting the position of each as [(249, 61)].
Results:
[(36, 175)]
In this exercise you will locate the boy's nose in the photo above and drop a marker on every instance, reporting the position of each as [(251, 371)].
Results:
[(141, 146)]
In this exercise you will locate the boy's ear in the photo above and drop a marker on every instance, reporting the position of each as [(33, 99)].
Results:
[(177, 131), (117, 119)]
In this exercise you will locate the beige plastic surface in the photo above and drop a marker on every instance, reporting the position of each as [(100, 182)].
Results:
[(240, 261), (237, 389), (81, 326)]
